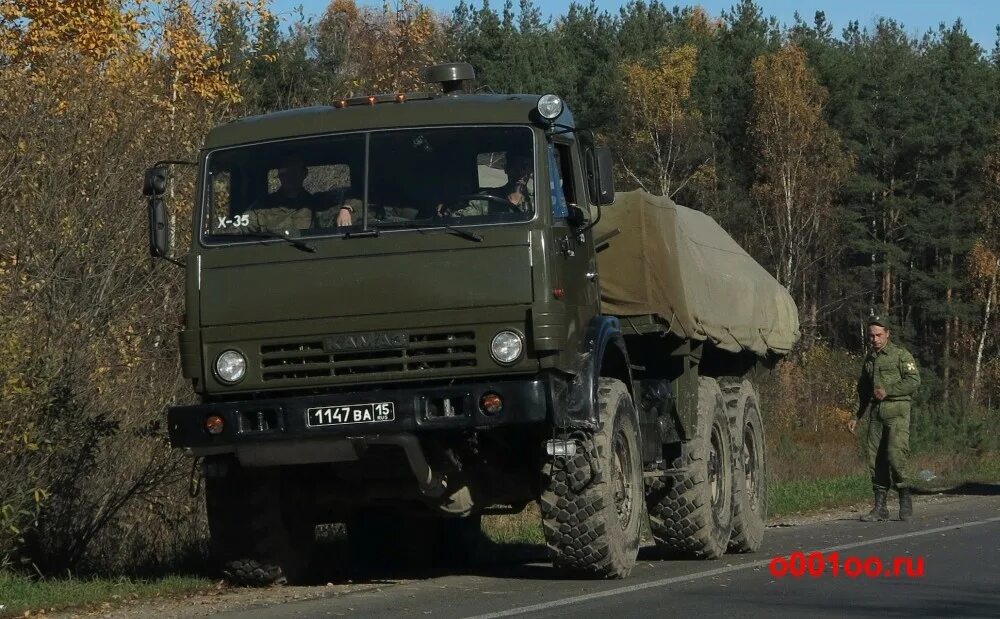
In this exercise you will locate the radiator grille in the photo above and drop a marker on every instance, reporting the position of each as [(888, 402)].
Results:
[(424, 352)]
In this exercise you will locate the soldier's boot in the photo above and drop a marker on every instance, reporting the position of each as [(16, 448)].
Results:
[(905, 503), (879, 511)]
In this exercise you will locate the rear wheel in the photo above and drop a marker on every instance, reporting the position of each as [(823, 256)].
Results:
[(749, 476), (261, 532), (592, 505), (691, 503)]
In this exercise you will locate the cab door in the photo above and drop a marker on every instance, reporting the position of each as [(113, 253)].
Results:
[(574, 253)]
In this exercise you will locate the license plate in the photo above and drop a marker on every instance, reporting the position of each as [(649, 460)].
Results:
[(376, 412)]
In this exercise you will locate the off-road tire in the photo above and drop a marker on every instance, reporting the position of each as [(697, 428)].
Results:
[(592, 503), (691, 503), (749, 474), (261, 534)]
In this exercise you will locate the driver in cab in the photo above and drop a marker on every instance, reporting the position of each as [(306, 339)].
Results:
[(519, 192), (293, 208)]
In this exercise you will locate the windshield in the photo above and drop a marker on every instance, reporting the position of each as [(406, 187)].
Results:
[(415, 178)]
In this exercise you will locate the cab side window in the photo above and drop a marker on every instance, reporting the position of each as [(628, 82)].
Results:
[(557, 186)]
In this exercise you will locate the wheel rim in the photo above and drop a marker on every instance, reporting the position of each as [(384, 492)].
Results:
[(751, 462), (715, 468), (623, 473)]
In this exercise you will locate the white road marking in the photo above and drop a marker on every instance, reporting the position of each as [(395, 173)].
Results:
[(716, 572)]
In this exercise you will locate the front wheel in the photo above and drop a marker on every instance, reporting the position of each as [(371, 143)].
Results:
[(592, 505), (261, 529)]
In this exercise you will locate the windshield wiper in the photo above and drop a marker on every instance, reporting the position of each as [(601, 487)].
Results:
[(465, 234), (275, 234)]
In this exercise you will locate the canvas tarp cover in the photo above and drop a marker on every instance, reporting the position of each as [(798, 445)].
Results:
[(678, 264)]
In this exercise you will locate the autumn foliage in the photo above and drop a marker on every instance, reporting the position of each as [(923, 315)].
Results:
[(801, 168), (91, 92), (663, 122), (389, 46)]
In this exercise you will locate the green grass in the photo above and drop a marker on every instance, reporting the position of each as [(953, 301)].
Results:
[(804, 495), (19, 594), (987, 469), (523, 528)]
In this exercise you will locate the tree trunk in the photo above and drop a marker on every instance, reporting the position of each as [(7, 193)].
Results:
[(886, 290), (946, 356), (172, 217), (982, 334)]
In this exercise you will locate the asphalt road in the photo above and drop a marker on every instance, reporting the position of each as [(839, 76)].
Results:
[(958, 539)]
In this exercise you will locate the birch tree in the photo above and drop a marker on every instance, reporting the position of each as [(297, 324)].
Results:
[(984, 261), (801, 165), (662, 122)]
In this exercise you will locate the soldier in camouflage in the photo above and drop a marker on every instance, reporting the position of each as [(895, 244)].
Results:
[(888, 380), (519, 190), (293, 208)]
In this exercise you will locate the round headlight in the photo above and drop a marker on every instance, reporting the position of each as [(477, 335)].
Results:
[(507, 347), (231, 366), (550, 106)]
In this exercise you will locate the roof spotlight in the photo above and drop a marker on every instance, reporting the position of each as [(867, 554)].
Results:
[(550, 106)]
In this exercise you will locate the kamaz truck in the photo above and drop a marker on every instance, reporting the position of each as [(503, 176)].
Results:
[(407, 311)]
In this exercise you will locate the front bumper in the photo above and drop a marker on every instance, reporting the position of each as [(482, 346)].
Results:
[(251, 423)]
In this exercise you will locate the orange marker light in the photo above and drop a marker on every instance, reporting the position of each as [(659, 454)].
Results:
[(341, 104), (400, 97), (491, 403), (372, 99), (214, 424)]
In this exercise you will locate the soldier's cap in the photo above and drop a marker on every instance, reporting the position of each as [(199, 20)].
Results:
[(878, 321)]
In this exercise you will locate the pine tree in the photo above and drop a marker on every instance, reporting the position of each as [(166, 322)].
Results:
[(957, 117)]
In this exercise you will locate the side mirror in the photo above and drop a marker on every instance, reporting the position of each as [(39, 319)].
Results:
[(154, 185), (155, 181), (159, 228), (605, 193), (600, 176)]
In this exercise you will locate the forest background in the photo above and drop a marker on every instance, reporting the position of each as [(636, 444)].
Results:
[(861, 167)]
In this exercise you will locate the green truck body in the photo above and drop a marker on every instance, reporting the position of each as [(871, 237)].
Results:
[(420, 336)]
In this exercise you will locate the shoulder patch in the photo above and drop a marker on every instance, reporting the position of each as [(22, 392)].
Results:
[(911, 366)]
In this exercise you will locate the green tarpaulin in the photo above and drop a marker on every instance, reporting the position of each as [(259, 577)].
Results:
[(678, 264)]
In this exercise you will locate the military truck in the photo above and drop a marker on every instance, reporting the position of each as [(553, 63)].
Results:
[(392, 324)]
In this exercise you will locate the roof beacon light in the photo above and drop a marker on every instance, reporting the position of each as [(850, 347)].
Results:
[(451, 76), (550, 106)]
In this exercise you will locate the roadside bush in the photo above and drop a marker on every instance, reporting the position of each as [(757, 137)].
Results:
[(808, 400), (88, 358)]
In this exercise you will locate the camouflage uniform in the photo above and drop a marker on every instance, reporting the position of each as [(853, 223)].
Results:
[(296, 215), (290, 220), (894, 370), (478, 208)]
